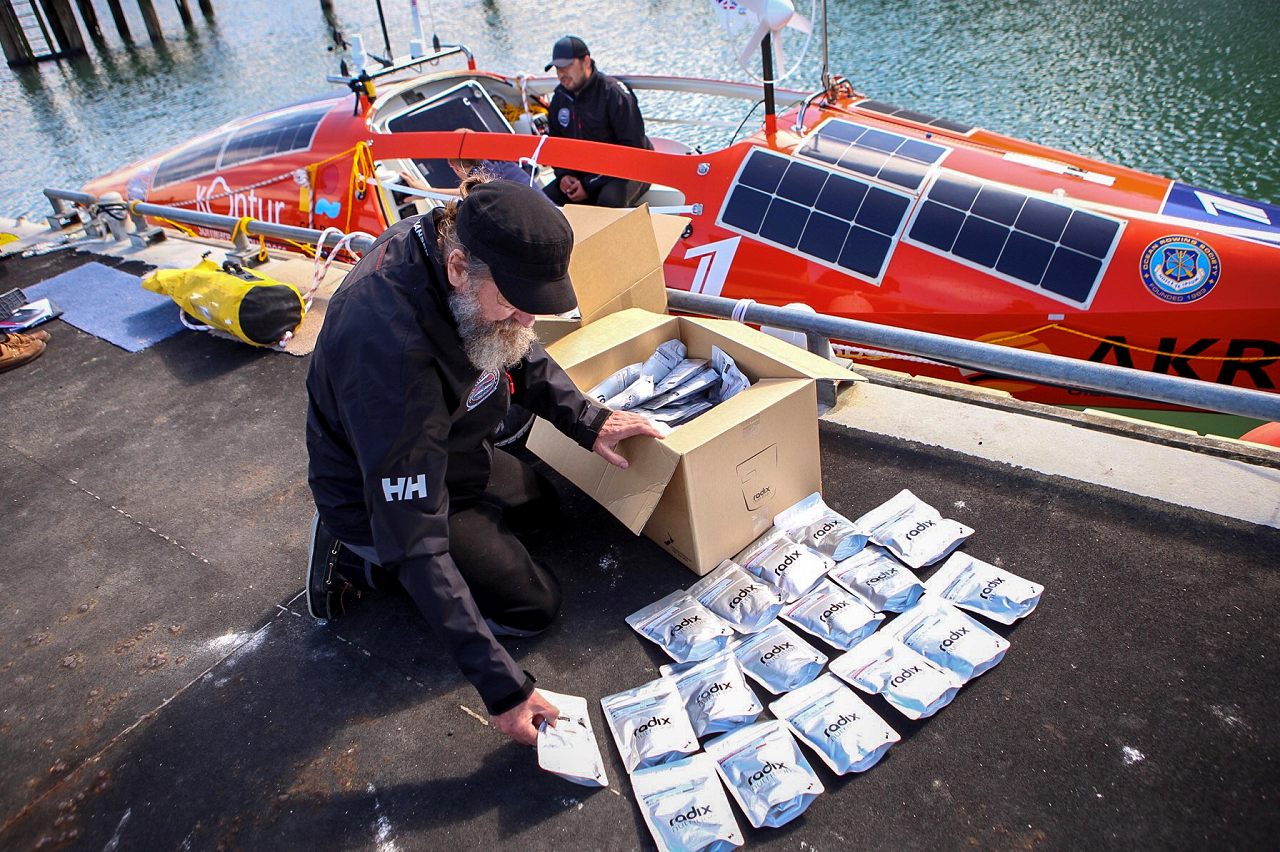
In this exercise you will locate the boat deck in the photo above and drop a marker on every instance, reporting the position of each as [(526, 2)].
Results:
[(162, 687)]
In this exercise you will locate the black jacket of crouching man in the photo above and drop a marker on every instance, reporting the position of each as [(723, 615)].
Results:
[(398, 426)]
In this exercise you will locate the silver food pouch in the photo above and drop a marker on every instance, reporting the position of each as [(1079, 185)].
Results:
[(813, 522), (913, 530), (615, 384), (837, 724), (642, 384), (569, 748), (949, 638), (778, 560), (680, 374), (743, 600), (881, 665), (985, 589), (715, 692), (677, 413), (703, 380), (882, 581), (685, 807), (778, 659), (833, 615), (732, 380), (764, 769), (649, 724), (684, 628)]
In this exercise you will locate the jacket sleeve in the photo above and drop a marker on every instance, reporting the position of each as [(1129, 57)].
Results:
[(399, 426), (545, 389)]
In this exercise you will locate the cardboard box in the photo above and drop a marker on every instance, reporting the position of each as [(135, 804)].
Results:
[(616, 264), (714, 484)]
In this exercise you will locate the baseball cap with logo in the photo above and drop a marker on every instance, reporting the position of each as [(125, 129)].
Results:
[(566, 50), (525, 240)]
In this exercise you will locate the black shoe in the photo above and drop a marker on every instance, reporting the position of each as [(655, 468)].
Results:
[(326, 587)]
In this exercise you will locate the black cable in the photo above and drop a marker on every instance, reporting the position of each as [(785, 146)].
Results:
[(744, 121)]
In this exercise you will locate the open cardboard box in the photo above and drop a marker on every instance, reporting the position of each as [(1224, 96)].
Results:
[(616, 264), (715, 483)]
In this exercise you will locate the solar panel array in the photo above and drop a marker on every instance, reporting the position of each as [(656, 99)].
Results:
[(1052, 248), (832, 218), (911, 115), (875, 153), (273, 135)]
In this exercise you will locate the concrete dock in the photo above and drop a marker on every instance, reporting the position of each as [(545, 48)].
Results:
[(162, 686)]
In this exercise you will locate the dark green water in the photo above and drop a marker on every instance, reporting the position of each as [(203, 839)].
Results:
[(1183, 88)]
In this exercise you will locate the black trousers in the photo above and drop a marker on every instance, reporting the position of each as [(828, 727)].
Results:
[(608, 192), (512, 590)]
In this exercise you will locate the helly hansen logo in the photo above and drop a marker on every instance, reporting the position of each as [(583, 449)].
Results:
[(404, 487)]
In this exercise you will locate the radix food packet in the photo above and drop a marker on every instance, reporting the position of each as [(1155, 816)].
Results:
[(827, 716), (569, 748), (765, 771), (685, 806), (985, 589), (649, 724), (778, 560), (881, 665), (746, 602), (715, 692), (913, 530), (950, 638), (883, 582), (813, 522), (778, 659), (833, 615), (682, 627)]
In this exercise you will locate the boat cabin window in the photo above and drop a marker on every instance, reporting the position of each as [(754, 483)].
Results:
[(465, 105), (281, 132)]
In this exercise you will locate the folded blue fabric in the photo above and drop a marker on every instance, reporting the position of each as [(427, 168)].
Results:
[(111, 305)]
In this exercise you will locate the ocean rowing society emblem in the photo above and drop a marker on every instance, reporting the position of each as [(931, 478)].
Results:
[(1180, 269)]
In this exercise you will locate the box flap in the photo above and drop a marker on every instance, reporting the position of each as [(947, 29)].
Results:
[(668, 230), (630, 495), (616, 263), (607, 335), (799, 363)]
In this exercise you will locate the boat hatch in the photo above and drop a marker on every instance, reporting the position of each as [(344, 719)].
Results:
[(465, 105)]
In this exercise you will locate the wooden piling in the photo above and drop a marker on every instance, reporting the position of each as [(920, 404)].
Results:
[(184, 11), (62, 23), (206, 8), (90, 17), (122, 23), (152, 21), (16, 50)]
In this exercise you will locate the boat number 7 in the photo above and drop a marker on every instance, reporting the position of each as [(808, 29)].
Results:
[(1216, 206), (713, 265)]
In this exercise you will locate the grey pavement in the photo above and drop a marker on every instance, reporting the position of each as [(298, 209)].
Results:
[(162, 687)]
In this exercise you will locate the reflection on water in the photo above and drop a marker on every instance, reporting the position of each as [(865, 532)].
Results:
[(1182, 88)]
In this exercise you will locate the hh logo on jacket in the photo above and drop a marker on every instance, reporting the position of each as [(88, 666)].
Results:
[(405, 487)]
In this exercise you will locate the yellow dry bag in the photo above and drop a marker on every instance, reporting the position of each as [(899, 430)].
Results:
[(257, 310)]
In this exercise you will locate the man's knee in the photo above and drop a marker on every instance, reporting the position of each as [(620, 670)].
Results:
[(537, 606)]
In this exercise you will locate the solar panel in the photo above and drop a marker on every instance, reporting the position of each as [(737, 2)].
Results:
[(822, 214), (1046, 246), (919, 117), (274, 135), (870, 151)]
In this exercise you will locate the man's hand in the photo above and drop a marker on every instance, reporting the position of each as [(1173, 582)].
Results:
[(573, 188), (620, 425), (521, 722)]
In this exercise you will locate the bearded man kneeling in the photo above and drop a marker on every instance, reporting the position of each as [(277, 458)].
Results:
[(424, 347)]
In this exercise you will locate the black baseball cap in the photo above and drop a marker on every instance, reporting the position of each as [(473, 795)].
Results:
[(566, 50), (525, 240)]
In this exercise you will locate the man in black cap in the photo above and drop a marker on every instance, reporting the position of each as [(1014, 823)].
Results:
[(424, 346), (592, 106)]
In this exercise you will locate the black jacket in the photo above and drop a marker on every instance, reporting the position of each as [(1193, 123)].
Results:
[(397, 427), (604, 110)]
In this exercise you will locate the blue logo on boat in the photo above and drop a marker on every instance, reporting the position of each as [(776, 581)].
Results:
[(484, 387), (330, 209), (1180, 269)]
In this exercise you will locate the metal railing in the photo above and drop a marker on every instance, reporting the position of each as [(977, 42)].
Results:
[(819, 328)]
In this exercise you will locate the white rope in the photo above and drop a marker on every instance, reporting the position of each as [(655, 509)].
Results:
[(740, 309), (848, 351), (533, 161), (317, 272)]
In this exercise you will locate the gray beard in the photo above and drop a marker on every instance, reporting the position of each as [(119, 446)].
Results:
[(488, 345)]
